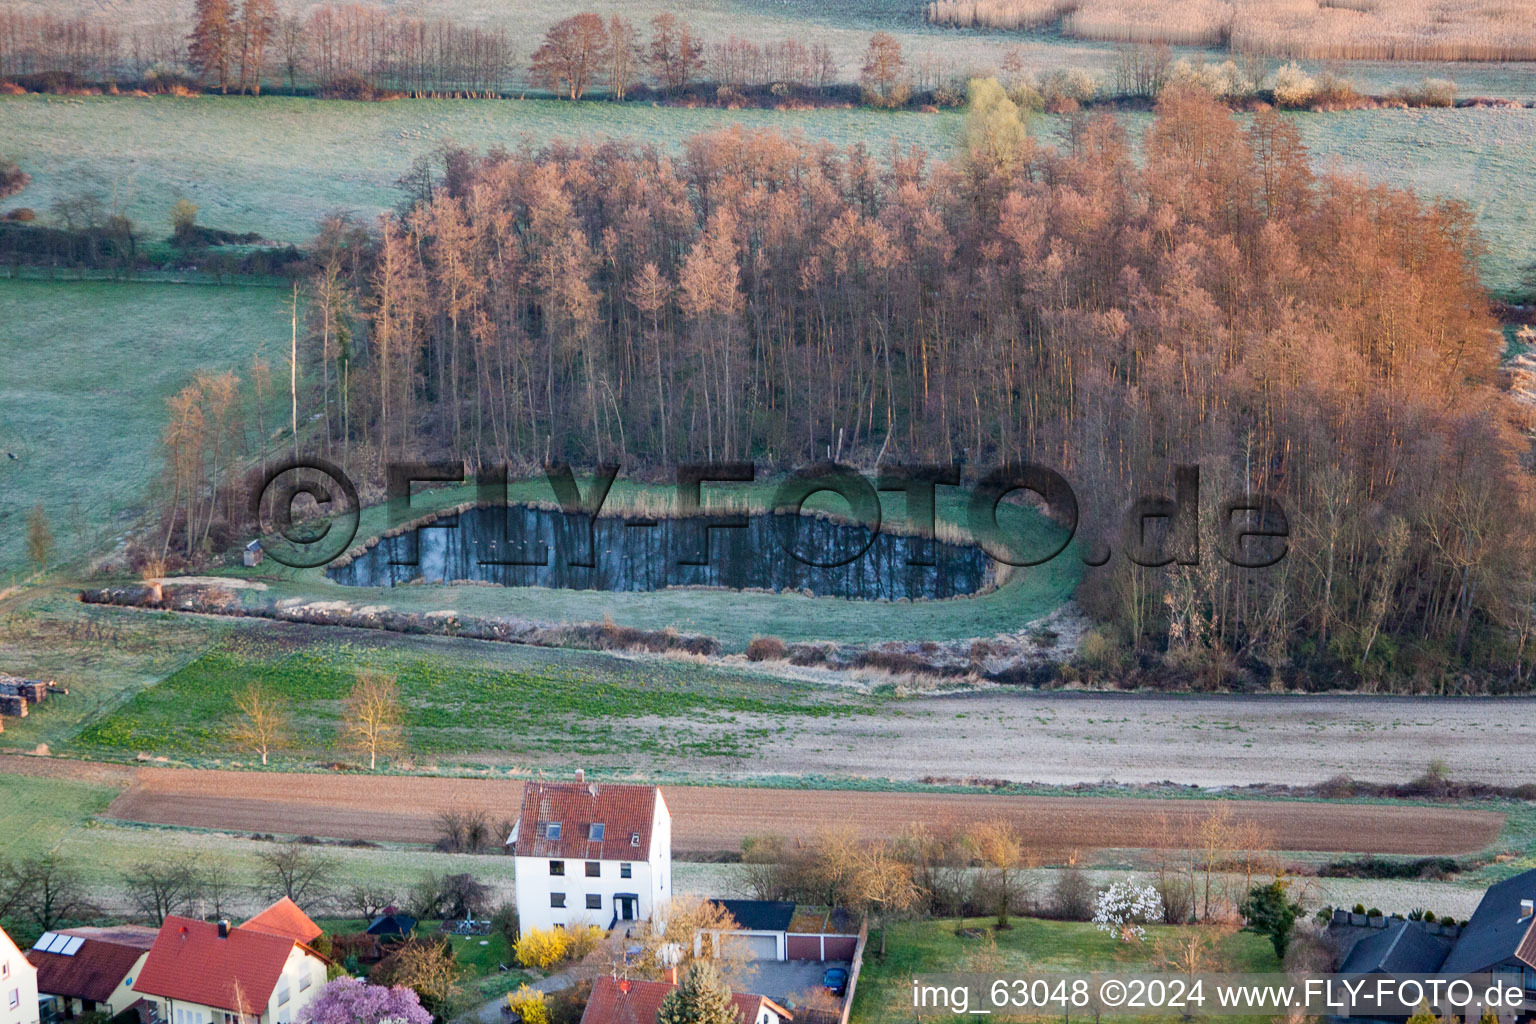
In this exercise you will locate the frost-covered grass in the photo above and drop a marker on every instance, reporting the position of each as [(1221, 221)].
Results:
[(276, 165), (85, 368)]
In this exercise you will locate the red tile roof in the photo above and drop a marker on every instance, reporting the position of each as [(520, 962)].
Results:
[(611, 1004), (286, 919), (191, 962), (624, 812), (92, 972)]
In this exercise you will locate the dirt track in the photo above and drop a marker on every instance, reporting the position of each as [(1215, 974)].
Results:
[(706, 819)]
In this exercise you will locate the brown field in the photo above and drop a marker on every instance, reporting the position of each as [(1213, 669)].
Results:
[(1480, 30), (711, 819)]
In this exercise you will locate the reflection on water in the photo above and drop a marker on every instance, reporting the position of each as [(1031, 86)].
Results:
[(640, 555)]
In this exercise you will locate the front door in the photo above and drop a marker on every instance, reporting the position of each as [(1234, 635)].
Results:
[(626, 907)]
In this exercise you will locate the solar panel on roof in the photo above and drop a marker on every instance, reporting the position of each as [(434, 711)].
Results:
[(43, 940), (56, 943), (73, 945)]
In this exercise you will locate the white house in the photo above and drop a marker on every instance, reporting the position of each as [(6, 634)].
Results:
[(261, 972), (591, 853), (18, 985)]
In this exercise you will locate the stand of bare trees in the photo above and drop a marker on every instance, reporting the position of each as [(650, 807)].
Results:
[(1306, 338)]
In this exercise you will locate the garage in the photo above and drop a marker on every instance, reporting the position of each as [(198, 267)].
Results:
[(763, 924), (761, 945)]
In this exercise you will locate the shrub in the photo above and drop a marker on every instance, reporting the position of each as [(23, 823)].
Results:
[(542, 948), (583, 939), (1066, 90), (1359, 908), (1431, 92), (22, 214), (1373, 912), (1335, 93), (12, 178), (1074, 895), (1447, 919), (1293, 87), (766, 648), (1099, 652), (528, 1005)]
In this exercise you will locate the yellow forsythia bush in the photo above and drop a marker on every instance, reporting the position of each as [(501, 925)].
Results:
[(529, 1005), (542, 948)]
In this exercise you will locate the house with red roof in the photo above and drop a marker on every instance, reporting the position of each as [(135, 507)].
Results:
[(261, 972), (85, 970), (636, 1002), (590, 853), (18, 985)]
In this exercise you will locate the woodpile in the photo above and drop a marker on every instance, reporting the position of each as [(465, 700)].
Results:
[(17, 694)]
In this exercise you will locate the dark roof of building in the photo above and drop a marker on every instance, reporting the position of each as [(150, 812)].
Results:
[(624, 814), (192, 962), (137, 935), (392, 924), (284, 918), (636, 1002), (1403, 947), (760, 915), (1497, 931), (93, 971)]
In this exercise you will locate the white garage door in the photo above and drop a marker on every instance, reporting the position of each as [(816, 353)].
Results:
[(762, 947)]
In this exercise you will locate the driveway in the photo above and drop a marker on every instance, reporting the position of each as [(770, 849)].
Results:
[(490, 1013), (788, 979)]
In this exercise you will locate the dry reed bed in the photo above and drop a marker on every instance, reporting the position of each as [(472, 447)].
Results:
[(1430, 30)]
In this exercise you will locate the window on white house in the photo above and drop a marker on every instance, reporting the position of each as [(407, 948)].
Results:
[(594, 901), (557, 899), (626, 870), (594, 869), (305, 979), (283, 994), (557, 867), (15, 998), (5, 968), (595, 831), (634, 839)]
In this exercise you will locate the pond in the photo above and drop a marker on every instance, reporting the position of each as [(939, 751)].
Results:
[(634, 554)]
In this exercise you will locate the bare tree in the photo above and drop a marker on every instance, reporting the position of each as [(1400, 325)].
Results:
[(883, 885), (677, 55), (624, 56), (210, 46), (44, 890), (999, 847), (296, 871), (574, 51), (262, 724), (373, 716), (882, 70), (160, 888)]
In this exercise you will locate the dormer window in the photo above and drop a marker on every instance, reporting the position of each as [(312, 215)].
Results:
[(549, 830), (634, 839), (595, 831)]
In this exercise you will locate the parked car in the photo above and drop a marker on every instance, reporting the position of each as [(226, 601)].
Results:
[(835, 981)]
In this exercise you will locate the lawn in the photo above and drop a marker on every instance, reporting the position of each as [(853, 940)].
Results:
[(85, 369), (276, 165), (468, 699), (935, 947)]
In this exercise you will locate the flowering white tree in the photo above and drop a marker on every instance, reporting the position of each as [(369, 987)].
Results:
[(1124, 907)]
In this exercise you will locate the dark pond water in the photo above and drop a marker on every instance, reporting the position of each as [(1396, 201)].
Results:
[(629, 555)]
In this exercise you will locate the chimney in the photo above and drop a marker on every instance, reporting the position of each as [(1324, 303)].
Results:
[(1527, 908), (224, 928), (672, 974), (581, 775)]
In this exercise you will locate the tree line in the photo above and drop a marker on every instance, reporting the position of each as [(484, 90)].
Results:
[(360, 51)]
